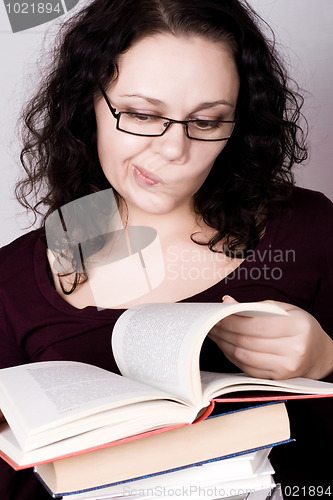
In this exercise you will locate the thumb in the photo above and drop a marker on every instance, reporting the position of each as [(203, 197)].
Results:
[(226, 299)]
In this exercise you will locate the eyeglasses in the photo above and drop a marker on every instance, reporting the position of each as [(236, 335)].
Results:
[(147, 125)]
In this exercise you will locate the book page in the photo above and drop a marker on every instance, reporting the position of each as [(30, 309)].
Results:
[(40, 396), (159, 344), (219, 384)]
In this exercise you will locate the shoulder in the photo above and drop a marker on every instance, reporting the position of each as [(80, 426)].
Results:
[(305, 201), (26, 241), (306, 226), (18, 255), (310, 212)]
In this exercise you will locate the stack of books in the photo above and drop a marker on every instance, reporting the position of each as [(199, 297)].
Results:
[(270, 493), (226, 452), (248, 476), (87, 431)]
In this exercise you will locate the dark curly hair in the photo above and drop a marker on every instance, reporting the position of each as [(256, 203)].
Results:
[(251, 178)]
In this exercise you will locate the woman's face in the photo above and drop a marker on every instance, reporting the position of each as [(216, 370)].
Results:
[(176, 77)]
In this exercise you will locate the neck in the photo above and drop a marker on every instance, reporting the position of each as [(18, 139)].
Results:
[(181, 221)]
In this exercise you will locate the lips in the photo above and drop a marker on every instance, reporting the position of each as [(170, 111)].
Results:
[(144, 177)]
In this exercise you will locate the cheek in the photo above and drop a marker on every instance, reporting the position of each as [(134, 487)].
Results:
[(113, 151), (205, 158), (109, 154), (115, 147), (194, 178)]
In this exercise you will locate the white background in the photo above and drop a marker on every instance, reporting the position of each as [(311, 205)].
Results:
[(304, 31)]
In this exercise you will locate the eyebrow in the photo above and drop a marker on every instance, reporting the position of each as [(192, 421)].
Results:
[(203, 105)]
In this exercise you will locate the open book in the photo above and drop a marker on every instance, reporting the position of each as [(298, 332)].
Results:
[(57, 408)]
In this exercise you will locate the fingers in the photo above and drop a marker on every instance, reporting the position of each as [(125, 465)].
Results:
[(260, 365), (261, 326), (274, 345), (226, 299), (267, 347)]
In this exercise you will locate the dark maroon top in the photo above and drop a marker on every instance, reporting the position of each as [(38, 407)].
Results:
[(293, 263)]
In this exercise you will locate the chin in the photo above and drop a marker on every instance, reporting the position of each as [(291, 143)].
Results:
[(156, 210), (150, 208)]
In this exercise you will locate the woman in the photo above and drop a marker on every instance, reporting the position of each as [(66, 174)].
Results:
[(182, 107)]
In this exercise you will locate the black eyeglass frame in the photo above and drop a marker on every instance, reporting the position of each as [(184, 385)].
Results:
[(169, 121)]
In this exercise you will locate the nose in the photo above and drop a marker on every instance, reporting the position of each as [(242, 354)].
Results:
[(173, 145)]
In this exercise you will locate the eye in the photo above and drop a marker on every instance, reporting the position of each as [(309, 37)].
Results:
[(206, 124), (141, 117)]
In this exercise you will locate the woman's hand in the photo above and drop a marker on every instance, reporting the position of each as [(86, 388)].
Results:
[(278, 347)]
